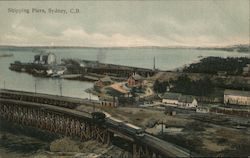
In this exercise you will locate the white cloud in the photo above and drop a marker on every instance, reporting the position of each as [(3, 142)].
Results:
[(126, 23), (98, 39), (79, 37), (73, 37)]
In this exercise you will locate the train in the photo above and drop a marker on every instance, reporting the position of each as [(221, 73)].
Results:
[(71, 103), (113, 122), (132, 129), (124, 126), (98, 117), (160, 146)]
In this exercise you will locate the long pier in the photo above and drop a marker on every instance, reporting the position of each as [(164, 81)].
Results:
[(56, 114), (90, 67)]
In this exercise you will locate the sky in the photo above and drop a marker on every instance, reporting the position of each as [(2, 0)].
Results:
[(126, 23)]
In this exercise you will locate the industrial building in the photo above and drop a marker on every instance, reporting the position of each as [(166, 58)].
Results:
[(45, 59), (135, 80), (237, 97), (179, 100), (187, 101), (171, 98), (103, 82), (109, 102)]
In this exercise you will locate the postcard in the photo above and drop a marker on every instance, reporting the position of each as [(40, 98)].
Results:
[(124, 79)]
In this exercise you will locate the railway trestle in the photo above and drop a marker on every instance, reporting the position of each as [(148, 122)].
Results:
[(27, 114), (54, 122)]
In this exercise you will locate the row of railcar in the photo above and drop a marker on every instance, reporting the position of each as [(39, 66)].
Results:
[(132, 130), (123, 126)]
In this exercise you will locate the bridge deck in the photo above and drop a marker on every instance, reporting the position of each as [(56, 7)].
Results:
[(57, 109), (163, 147), (49, 96)]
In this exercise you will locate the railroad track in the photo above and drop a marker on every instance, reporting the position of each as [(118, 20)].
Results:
[(62, 101), (66, 105)]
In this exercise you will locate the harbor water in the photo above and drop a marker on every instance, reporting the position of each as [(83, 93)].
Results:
[(166, 59)]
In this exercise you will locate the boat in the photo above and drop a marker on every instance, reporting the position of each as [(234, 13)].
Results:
[(6, 55)]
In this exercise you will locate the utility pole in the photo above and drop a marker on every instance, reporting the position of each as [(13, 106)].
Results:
[(35, 85), (90, 102), (4, 84), (60, 87)]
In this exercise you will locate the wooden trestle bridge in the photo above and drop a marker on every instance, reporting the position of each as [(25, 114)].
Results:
[(56, 114)]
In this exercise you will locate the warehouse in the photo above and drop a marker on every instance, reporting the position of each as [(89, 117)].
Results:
[(237, 97), (179, 100), (45, 58)]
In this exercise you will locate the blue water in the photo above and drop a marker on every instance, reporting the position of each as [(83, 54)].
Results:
[(166, 59)]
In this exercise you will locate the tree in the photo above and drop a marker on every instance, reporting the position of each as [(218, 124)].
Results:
[(160, 87), (156, 86), (185, 85), (211, 65)]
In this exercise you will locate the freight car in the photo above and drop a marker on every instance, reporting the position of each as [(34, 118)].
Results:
[(133, 130)]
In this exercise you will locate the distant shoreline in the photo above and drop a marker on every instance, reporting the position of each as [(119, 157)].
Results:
[(239, 48), (180, 69)]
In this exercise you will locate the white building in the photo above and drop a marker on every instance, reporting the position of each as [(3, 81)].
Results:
[(237, 97), (45, 58), (179, 100), (187, 101), (246, 70), (171, 98)]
